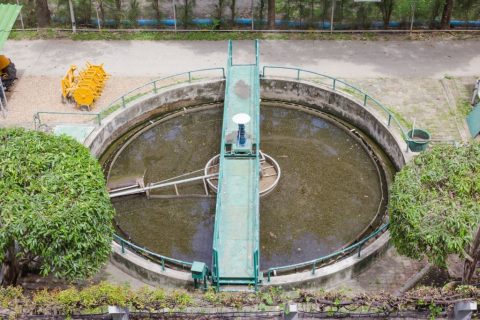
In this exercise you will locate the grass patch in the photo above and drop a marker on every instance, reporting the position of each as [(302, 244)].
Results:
[(404, 122), (463, 107), (163, 34), (115, 107), (171, 35)]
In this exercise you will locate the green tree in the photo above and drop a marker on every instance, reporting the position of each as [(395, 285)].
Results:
[(233, 12), (435, 206), (133, 12), (55, 212), (83, 11), (386, 7), (158, 12), (446, 14), (43, 13), (186, 12)]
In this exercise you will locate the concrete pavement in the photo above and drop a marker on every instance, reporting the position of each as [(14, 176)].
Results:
[(344, 59)]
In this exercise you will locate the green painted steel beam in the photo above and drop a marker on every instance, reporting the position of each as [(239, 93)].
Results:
[(8, 16), (236, 231)]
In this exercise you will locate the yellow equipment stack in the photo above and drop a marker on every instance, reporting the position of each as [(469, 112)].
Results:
[(84, 88)]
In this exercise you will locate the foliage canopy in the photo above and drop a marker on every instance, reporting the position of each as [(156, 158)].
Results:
[(54, 207), (435, 203)]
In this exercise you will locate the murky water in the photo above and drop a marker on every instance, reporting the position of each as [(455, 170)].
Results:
[(328, 193)]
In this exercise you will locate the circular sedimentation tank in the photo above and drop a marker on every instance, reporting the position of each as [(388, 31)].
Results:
[(334, 161), (332, 189)]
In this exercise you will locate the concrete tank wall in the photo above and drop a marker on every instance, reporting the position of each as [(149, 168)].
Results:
[(339, 105)]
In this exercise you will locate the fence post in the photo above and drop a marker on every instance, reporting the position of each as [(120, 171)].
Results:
[(463, 310), (123, 101), (359, 250), (163, 264), (155, 87), (122, 244), (365, 101), (389, 120), (334, 83), (223, 73), (314, 267), (298, 74), (291, 312), (268, 276), (118, 313), (189, 76)]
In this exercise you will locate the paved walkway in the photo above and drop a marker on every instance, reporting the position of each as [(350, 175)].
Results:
[(344, 59)]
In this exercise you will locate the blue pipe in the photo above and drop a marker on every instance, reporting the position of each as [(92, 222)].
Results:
[(247, 21)]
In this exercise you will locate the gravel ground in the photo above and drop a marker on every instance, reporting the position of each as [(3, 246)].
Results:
[(33, 93)]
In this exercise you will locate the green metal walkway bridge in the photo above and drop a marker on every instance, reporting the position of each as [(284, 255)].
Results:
[(236, 233)]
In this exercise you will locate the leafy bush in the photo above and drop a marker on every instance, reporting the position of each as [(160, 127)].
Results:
[(96, 299), (435, 203), (54, 207)]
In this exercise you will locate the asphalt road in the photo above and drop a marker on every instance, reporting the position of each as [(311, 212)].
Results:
[(349, 59)]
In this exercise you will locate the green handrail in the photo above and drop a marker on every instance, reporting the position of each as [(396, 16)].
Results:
[(335, 81), (123, 100), (124, 243), (256, 240), (37, 121), (313, 263), (218, 205)]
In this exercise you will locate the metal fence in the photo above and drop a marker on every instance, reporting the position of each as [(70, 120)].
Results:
[(158, 258), (246, 15), (322, 261)]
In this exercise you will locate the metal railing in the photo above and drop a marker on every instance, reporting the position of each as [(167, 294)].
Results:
[(153, 87), (150, 254), (256, 97), (329, 257), (37, 120), (218, 205), (340, 85)]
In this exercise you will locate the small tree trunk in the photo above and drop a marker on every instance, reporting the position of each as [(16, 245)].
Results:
[(11, 268), (271, 14), (118, 13), (42, 13), (470, 266), (446, 15), (102, 13), (219, 13), (233, 5), (158, 13), (261, 12), (386, 6), (434, 13), (324, 13)]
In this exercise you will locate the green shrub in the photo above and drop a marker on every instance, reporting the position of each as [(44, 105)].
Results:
[(54, 206)]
